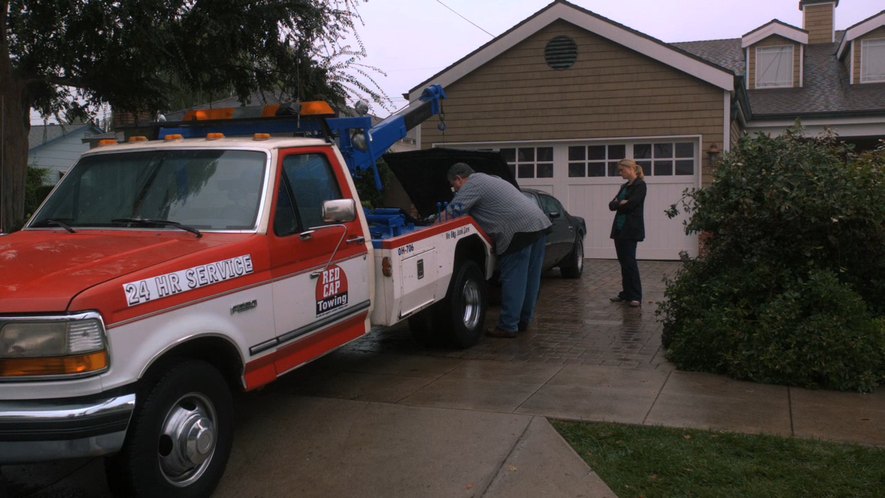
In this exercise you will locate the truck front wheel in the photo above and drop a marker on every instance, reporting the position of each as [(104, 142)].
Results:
[(180, 437)]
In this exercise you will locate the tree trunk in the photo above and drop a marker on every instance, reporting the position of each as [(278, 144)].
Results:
[(14, 127)]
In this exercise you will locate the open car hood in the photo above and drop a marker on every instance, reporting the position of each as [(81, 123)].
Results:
[(422, 173)]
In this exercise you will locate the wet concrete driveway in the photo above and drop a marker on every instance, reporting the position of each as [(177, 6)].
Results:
[(386, 417)]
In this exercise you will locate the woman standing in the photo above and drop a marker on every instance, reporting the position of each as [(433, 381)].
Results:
[(628, 229)]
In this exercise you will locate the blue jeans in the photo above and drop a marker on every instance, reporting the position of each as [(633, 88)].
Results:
[(520, 285), (631, 286)]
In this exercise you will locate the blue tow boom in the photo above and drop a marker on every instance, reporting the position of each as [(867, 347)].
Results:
[(360, 143)]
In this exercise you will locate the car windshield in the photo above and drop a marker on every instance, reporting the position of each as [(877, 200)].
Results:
[(204, 189)]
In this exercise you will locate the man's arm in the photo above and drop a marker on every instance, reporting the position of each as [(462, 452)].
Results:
[(464, 199)]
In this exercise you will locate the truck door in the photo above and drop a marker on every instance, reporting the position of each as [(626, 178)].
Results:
[(321, 271)]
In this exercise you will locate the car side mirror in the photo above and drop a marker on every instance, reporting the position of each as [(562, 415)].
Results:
[(339, 211)]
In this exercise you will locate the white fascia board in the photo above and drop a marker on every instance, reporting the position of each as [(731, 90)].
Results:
[(726, 122), (844, 127), (802, 65), (859, 30), (655, 50), (775, 28)]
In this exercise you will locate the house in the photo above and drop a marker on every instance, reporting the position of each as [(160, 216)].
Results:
[(566, 93), (56, 147)]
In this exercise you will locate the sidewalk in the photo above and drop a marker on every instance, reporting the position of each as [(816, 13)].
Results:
[(589, 359), (386, 417)]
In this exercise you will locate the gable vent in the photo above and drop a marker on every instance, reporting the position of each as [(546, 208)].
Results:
[(561, 53)]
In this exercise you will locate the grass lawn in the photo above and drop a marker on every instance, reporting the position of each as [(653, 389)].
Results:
[(663, 462)]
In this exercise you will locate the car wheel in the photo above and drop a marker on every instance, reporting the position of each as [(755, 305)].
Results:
[(573, 265), (180, 437)]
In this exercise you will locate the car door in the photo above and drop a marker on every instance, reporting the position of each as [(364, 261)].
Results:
[(321, 271), (562, 235)]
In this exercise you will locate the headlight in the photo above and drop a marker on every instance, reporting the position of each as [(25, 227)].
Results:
[(68, 345)]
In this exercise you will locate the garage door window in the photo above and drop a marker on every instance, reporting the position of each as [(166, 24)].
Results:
[(595, 160), (529, 162), (665, 158)]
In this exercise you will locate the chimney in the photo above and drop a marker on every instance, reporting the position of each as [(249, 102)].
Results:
[(818, 18)]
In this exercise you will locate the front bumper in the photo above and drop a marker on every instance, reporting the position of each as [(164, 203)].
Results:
[(33, 431)]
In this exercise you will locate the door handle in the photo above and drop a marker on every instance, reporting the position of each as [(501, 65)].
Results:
[(357, 240)]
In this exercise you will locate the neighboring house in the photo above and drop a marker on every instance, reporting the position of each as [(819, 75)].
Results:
[(567, 93), (57, 147)]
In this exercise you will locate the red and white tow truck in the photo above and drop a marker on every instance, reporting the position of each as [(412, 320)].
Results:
[(161, 275)]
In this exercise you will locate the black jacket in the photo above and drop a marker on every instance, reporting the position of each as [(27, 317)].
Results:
[(634, 226)]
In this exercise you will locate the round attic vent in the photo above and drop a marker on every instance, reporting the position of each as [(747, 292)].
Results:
[(561, 52)]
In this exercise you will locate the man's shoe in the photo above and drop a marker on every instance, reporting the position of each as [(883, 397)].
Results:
[(617, 299), (497, 332), (634, 304)]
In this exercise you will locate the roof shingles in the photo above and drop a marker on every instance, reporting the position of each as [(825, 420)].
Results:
[(825, 91)]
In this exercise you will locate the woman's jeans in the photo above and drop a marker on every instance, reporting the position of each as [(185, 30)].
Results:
[(631, 286), (520, 285)]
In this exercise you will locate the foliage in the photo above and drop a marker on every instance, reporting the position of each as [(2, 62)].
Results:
[(369, 194), (66, 58), (792, 287), (35, 190), (657, 461), (135, 54)]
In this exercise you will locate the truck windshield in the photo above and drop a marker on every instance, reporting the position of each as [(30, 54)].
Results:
[(204, 189)]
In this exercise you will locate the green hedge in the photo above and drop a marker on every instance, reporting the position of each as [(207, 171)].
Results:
[(791, 289)]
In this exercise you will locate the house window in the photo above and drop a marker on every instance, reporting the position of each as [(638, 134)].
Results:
[(595, 160), (665, 158), (529, 162), (774, 67), (872, 61)]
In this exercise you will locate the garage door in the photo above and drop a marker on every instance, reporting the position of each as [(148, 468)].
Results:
[(584, 177)]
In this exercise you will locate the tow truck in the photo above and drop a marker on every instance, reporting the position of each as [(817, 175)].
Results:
[(161, 275)]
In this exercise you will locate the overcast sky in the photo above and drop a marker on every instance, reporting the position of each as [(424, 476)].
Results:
[(411, 40)]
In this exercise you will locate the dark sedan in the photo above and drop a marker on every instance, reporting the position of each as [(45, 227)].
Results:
[(565, 243)]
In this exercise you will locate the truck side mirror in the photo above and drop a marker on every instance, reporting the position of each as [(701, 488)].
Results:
[(339, 211)]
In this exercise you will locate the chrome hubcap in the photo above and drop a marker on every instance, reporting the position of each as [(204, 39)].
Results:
[(187, 439), (471, 301)]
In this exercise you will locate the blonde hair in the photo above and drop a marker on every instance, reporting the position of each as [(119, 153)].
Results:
[(629, 163)]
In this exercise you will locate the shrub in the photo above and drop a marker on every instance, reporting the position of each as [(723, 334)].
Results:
[(35, 191), (792, 287)]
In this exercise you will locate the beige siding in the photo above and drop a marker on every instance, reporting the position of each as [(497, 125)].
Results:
[(610, 92), (855, 51), (736, 133), (775, 41), (818, 21)]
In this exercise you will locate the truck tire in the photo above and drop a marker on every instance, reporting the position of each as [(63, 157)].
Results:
[(180, 437), (463, 312), (573, 264)]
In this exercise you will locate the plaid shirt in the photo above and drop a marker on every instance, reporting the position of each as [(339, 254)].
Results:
[(499, 208)]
